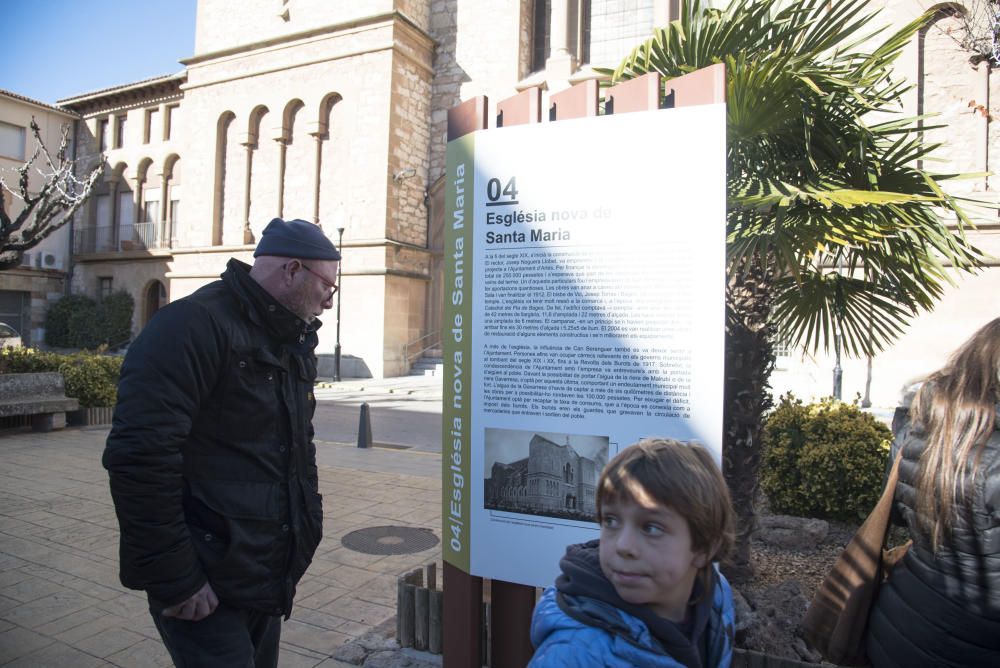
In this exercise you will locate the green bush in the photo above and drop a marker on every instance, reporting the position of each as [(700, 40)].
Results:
[(76, 321), (58, 330), (91, 378), (115, 313), (28, 360), (824, 460)]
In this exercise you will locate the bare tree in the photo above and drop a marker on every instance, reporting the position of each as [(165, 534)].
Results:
[(979, 29), (48, 209)]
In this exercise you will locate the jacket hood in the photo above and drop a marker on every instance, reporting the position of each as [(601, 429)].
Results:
[(587, 596)]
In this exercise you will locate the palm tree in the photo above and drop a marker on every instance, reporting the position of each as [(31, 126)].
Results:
[(831, 226)]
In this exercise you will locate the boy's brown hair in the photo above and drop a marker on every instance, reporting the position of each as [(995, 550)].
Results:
[(681, 476)]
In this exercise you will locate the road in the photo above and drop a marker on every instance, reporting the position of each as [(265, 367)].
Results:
[(404, 412)]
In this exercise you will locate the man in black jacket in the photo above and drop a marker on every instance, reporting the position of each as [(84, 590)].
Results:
[(211, 455)]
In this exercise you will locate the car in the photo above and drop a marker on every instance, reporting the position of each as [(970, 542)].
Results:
[(9, 336)]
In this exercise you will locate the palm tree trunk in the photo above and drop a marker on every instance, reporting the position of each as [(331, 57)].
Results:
[(747, 396)]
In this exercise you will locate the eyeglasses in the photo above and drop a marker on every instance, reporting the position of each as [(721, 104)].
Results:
[(327, 284)]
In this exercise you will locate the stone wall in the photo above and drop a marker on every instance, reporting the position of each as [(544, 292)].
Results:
[(479, 53), (410, 138), (220, 28)]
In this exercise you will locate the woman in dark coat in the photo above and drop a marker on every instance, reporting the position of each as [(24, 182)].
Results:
[(941, 605)]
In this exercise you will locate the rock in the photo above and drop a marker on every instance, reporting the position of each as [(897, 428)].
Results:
[(794, 533), (805, 652), (397, 659), (351, 653), (363, 650), (777, 612), (746, 618)]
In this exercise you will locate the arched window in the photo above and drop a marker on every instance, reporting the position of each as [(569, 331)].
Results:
[(296, 182), (154, 298), (223, 208), (171, 199), (263, 156), (123, 207), (335, 163), (598, 32)]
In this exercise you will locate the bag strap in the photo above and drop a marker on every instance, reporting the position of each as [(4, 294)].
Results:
[(881, 513)]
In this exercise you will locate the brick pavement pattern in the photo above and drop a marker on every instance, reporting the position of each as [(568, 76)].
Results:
[(61, 604)]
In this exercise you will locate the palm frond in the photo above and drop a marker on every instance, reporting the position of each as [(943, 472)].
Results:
[(815, 180)]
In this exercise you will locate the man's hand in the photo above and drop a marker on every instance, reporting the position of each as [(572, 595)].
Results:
[(199, 606)]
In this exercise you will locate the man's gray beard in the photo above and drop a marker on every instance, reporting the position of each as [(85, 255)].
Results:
[(295, 302)]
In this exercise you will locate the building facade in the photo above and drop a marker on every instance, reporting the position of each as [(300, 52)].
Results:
[(552, 480), (330, 112), (337, 113), (26, 291)]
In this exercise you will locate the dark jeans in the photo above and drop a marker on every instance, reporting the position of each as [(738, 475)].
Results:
[(227, 638)]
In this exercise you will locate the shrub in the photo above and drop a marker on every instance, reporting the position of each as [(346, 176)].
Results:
[(58, 328), (91, 378), (28, 360), (115, 313), (825, 459), (84, 329), (76, 321)]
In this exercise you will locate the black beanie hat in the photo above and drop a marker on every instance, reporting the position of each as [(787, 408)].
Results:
[(298, 239)]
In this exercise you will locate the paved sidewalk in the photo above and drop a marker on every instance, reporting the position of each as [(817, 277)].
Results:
[(61, 604)]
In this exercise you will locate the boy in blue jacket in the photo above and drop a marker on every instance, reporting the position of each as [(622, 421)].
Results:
[(647, 593)]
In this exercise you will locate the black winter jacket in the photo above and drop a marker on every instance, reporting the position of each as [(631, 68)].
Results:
[(211, 454), (944, 609)]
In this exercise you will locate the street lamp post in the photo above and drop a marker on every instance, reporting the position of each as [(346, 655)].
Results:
[(838, 372), (340, 284)]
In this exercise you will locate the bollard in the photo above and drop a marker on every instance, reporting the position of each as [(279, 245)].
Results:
[(421, 618), (365, 427), (431, 575), (406, 612), (400, 602), (436, 605), (415, 577)]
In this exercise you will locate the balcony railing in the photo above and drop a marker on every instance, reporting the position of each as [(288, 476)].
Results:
[(110, 238)]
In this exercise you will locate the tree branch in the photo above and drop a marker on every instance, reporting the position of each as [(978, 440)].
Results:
[(60, 196)]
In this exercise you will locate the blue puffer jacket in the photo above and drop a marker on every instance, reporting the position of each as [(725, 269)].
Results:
[(572, 631)]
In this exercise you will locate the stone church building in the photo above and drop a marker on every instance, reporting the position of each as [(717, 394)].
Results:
[(336, 112), (553, 479)]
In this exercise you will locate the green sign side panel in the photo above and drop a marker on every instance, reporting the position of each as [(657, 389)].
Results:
[(456, 333)]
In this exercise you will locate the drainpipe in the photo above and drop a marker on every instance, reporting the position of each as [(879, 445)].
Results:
[(72, 221)]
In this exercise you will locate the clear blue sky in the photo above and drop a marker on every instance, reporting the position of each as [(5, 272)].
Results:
[(54, 49)]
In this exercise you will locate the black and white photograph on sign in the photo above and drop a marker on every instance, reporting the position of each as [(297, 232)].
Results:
[(542, 473)]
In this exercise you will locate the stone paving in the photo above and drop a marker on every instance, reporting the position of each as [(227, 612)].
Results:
[(60, 600)]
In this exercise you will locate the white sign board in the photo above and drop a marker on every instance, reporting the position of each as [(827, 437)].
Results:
[(584, 311)]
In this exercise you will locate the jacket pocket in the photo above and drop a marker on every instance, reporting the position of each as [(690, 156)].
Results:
[(211, 548), (238, 499), (246, 408), (310, 532)]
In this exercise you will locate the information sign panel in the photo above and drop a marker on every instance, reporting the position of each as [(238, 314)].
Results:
[(584, 310)]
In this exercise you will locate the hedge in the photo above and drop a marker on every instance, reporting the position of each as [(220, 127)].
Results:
[(91, 378), (76, 321)]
